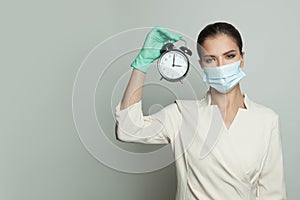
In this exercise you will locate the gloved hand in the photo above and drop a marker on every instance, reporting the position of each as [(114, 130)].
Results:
[(153, 44)]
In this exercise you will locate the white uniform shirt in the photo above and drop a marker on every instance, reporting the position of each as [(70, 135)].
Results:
[(245, 161)]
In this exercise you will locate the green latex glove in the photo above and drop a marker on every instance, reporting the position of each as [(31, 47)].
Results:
[(153, 44)]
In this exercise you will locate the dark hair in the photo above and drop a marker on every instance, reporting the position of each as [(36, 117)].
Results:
[(212, 30)]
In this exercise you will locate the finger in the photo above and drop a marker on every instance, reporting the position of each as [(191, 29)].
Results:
[(168, 34)]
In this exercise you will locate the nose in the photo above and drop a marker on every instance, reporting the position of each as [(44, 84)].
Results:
[(220, 62)]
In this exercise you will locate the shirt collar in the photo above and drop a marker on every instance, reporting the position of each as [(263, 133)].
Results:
[(207, 98)]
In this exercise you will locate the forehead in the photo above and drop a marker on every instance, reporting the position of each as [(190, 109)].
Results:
[(219, 44)]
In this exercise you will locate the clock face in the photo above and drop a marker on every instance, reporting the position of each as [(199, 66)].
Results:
[(173, 65)]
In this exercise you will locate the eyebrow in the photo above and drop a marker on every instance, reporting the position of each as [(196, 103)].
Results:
[(223, 53)]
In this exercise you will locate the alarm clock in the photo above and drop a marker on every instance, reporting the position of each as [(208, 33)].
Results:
[(173, 63)]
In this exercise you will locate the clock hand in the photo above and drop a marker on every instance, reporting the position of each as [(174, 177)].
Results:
[(173, 60), (177, 66)]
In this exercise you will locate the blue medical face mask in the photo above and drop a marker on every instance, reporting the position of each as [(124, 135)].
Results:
[(223, 78)]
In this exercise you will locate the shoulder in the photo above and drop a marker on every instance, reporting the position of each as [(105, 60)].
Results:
[(191, 109), (191, 103), (262, 111)]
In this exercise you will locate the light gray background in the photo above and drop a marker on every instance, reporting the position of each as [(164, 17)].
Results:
[(42, 46)]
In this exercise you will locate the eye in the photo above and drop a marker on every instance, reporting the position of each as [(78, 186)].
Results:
[(230, 56), (208, 60)]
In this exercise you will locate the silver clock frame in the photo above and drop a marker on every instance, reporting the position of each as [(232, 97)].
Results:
[(176, 79)]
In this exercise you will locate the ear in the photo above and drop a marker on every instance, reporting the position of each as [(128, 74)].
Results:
[(242, 59)]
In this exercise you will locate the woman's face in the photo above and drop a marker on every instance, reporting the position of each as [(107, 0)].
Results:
[(220, 50)]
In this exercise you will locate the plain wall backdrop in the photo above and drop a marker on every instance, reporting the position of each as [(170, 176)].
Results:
[(42, 46)]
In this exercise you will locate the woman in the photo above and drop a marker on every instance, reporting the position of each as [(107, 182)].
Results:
[(244, 160)]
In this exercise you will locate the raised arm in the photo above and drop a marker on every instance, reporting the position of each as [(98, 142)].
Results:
[(132, 125), (133, 92), (151, 50)]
